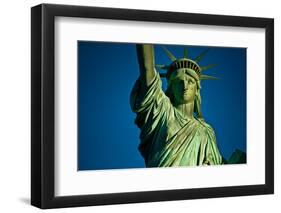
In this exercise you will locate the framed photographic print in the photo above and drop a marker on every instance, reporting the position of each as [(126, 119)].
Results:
[(140, 106)]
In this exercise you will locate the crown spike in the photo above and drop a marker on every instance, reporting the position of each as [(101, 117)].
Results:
[(201, 55), (208, 77), (208, 67), (185, 52), (169, 54), (162, 66)]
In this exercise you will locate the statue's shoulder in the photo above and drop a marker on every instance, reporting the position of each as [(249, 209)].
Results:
[(205, 126)]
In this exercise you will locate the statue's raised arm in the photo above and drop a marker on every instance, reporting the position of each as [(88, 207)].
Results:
[(145, 54)]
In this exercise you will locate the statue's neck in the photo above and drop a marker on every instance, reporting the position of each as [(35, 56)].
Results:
[(186, 110)]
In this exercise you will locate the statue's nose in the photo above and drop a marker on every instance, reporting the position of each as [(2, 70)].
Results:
[(185, 84)]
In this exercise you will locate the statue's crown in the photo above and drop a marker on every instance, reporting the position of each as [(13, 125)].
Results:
[(190, 65), (184, 63)]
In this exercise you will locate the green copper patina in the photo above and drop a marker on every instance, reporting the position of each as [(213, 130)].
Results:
[(173, 131)]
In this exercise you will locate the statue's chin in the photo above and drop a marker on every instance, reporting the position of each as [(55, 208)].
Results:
[(186, 99)]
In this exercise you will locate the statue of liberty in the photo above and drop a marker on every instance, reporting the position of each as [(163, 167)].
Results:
[(173, 131)]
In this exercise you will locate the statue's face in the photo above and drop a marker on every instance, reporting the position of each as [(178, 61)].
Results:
[(184, 88)]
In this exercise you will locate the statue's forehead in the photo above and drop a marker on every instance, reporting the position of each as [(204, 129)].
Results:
[(181, 74)]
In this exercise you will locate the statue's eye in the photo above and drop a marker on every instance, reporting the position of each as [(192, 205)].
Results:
[(190, 81)]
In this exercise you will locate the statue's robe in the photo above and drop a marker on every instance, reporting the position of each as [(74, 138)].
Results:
[(167, 138)]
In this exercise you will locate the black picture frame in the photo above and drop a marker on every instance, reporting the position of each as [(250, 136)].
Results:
[(43, 112)]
